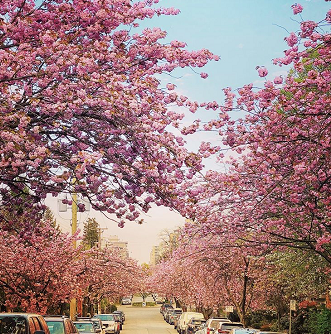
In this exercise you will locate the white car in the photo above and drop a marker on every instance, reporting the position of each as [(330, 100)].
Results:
[(211, 324), (185, 318), (225, 327), (126, 301), (108, 323)]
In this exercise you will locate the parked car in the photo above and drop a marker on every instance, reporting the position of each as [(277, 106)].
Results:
[(122, 314), (175, 313), (108, 322), (211, 325), (118, 320), (194, 324), (202, 329), (244, 331), (86, 327), (126, 301), (185, 318), (225, 327), (167, 313), (23, 323), (98, 324), (60, 324), (176, 320), (164, 307)]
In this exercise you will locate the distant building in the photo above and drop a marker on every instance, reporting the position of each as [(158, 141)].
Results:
[(165, 247), (114, 241), (154, 256)]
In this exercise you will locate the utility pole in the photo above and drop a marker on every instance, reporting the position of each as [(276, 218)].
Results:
[(100, 230), (73, 302)]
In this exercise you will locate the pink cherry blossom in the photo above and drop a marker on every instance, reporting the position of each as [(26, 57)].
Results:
[(297, 8), (170, 86), (278, 80), (262, 71)]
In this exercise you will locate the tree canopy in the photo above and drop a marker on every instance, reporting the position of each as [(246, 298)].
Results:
[(80, 100)]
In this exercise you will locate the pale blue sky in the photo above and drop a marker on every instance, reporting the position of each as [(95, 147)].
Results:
[(245, 34)]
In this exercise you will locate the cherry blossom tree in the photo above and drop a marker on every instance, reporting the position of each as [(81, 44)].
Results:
[(109, 274), (274, 192), (42, 269), (208, 273), (82, 108), (38, 269), (276, 187)]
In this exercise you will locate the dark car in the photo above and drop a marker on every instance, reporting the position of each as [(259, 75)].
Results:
[(22, 323), (60, 324), (194, 324)]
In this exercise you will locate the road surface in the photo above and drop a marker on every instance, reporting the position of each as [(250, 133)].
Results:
[(145, 320)]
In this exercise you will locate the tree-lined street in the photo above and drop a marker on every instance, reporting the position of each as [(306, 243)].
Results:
[(94, 109), (145, 320)]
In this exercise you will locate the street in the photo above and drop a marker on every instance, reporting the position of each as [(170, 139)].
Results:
[(145, 320)]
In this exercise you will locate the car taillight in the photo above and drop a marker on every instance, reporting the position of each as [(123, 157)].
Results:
[(208, 330)]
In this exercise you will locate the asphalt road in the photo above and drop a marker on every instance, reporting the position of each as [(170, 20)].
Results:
[(145, 320)]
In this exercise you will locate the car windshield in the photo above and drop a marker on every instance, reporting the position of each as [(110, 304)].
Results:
[(105, 317), (55, 327), (12, 325), (84, 327)]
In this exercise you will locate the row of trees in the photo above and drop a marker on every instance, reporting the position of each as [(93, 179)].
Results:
[(259, 231), (41, 270), (208, 273)]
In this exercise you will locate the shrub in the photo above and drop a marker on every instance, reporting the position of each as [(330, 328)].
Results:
[(319, 322)]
